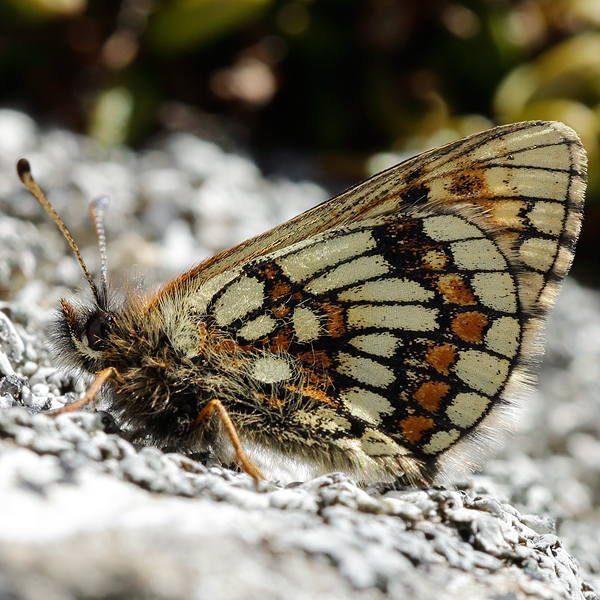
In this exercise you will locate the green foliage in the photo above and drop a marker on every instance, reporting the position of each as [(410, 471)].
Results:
[(183, 26)]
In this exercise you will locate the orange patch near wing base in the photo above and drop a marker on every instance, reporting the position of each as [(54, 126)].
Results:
[(281, 288), (469, 326), (269, 272), (430, 394), (202, 337), (319, 380), (222, 345), (316, 358), (335, 319), (414, 427), (315, 394), (280, 342), (278, 290), (280, 311)]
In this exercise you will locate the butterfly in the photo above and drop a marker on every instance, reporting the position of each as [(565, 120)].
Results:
[(385, 333)]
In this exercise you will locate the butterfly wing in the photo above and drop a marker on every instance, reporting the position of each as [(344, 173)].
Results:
[(528, 177), (388, 329)]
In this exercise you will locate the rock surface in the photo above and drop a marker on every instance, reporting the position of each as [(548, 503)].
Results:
[(85, 514)]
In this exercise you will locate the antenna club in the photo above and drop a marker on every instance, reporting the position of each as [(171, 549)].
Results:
[(24, 170)]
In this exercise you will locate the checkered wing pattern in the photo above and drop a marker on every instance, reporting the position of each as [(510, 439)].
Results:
[(387, 331)]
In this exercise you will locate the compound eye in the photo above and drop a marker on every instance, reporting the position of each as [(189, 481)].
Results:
[(96, 330)]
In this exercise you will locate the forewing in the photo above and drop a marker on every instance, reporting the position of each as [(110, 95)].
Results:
[(528, 177)]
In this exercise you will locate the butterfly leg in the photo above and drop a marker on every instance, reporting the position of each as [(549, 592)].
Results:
[(247, 464), (102, 377)]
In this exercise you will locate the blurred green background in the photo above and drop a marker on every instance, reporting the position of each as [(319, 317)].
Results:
[(333, 80)]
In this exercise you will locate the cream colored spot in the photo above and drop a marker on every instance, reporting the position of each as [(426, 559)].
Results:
[(359, 269), (482, 371), (241, 297), (545, 135), (322, 418), (365, 370), (495, 290), (366, 405), (306, 324), (547, 217), (478, 255), (536, 183), (301, 264), (393, 316), (504, 336), (352, 446), (375, 443), (387, 290), (538, 253), (440, 441), (271, 369), (379, 344), (548, 157), (507, 213), (438, 188), (435, 259), (258, 328), (530, 286), (466, 409), (446, 228), (208, 289)]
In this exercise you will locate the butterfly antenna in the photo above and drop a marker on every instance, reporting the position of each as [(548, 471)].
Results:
[(97, 208), (24, 172)]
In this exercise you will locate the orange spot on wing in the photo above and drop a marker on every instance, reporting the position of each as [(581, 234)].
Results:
[(317, 358), (441, 357), (269, 271), (224, 345), (430, 394), (469, 326), (314, 393), (454, 289), (281, 288), (335, 319), (280, 311), (316, 378), (414, 427), (280, 342), (469, 183), (273, 274)]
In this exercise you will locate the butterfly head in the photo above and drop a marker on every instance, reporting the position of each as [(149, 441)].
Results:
[(80, 335)]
